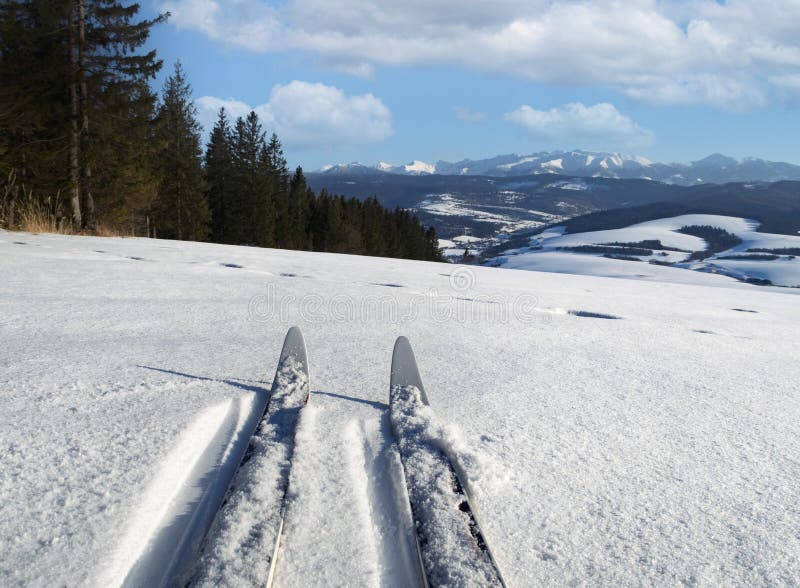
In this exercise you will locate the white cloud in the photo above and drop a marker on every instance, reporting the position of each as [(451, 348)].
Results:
[(672, 52), (789, 81), (208, 109), (310, 116), (466, 114), (601, 126)]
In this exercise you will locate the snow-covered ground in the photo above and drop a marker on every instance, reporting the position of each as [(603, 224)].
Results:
[(547, 252), (658, 448)]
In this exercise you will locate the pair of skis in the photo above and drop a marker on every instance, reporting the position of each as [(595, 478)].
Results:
[(450, 546)]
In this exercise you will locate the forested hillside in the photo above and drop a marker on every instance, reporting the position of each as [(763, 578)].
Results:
[(86, 145)]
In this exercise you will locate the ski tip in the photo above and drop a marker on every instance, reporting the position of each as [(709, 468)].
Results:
[(402, 343), (404, 367), (294, 345)]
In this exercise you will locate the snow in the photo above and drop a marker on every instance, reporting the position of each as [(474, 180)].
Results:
[(549, 257), (658, 448), (466, 239), (554, 163), (420, 167), (449, 205), (146, 550), (521, 161), (575, 185), (564, 262)]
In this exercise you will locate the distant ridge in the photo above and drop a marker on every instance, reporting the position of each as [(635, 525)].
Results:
[(714, 169)]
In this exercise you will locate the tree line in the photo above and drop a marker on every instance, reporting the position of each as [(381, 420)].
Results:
[(81, 128)]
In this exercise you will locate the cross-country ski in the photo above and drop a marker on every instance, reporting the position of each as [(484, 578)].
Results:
[(245, 540), (452, 549)]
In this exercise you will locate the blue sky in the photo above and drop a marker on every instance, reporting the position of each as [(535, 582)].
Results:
[(369, 80)]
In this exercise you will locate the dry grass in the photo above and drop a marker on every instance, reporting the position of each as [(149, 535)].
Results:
[(20, 210), (106, 231), (35, 216)]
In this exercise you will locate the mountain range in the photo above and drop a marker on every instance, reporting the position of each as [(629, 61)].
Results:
[(714, 169)]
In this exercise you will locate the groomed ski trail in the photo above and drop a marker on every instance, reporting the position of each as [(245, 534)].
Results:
[(346, 523), (155, 539)]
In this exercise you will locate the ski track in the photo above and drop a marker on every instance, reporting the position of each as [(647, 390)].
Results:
[(172, 494), (326, 508), (391, 518)]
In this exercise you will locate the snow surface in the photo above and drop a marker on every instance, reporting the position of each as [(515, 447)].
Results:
[(659, 448), (570, 185), (547, 256), (420, 167), (554, 163)]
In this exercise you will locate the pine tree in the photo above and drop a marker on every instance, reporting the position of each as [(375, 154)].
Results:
[(300, 209), (374, 239), (432, 250), (75, 101), (280, 191), (34, 113), (112, 78), (251, 215), (219, 177), (181, 211)]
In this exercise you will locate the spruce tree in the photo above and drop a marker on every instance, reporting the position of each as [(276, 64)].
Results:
[(34, 73), (180, 211), (252, 219), (219, 177), (300, 208), (114, 103), (280, 191), (75, 102)]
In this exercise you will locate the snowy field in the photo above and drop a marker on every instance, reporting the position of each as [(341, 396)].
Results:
[(547, 253), (614, 432)]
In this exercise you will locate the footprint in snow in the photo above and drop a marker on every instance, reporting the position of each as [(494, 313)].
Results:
[(546, 556), (597, 315), (477, 300)]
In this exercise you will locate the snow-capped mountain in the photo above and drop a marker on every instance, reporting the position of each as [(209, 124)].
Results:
[(715, 168), (415, 168)]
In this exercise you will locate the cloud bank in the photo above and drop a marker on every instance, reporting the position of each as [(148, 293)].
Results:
[(598, 126), (732, 55), (310, 116)]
